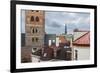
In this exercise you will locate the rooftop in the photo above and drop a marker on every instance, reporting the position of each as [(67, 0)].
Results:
[(83, 40)]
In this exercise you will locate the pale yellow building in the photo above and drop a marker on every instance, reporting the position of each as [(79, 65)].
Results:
[(81, 45)]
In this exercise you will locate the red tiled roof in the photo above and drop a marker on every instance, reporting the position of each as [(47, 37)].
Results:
[(84, 40), (63, 39)]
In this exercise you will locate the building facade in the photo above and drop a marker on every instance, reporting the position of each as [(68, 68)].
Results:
[(81, 45), (34, 28), (50, 39)]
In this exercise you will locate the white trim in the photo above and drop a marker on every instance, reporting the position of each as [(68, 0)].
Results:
[(51, 64)]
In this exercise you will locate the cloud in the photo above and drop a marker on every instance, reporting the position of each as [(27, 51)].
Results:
[(56, 21), (55, 24)]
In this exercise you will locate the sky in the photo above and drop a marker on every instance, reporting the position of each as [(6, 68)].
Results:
[(55, 21), (22, 21)]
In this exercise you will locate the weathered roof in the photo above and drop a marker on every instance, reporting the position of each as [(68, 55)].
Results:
[(83, 40)]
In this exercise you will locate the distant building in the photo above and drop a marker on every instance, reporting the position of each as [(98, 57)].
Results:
[(50, 39), (48, 54), (63, 41), (58, 47), (81, 45), (65, 51)]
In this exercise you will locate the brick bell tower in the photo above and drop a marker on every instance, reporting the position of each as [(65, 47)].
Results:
[(34, 28)]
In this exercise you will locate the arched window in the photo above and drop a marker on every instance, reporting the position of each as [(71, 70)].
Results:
[(33, 30), (32, 18), (34, 48), (36, 30), (37, 11), (32, 39), (37, 19), (37, 39), (32, 10)]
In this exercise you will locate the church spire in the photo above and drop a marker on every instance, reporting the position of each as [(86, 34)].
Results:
[(65, 28)]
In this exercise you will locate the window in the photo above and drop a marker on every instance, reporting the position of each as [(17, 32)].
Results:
[(37, 11), (53, 41), (45, 55), (37, 39), (34, 48), (33, 30), (32, 10), (36, 30), (37, 19), (32, 39), (32, 18)]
